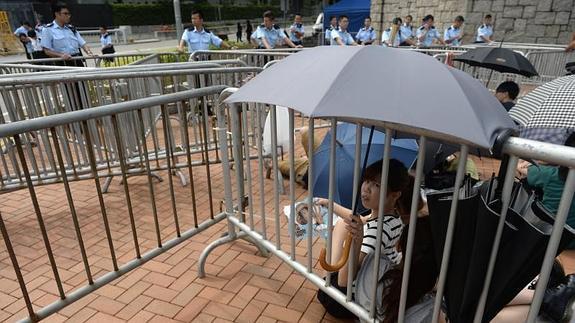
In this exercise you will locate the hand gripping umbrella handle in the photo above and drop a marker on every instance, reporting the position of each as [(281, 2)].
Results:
[(341, 262)]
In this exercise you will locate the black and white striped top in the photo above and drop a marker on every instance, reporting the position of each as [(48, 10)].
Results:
[(392, 228)]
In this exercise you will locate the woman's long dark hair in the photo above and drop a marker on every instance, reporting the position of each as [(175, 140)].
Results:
[(570, 142), (422, 276)]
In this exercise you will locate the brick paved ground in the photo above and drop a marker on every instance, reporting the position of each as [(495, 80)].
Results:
[(241, 286)]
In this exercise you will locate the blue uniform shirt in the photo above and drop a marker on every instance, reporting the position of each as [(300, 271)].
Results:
[(345, 37), (328, 34), (62, 39), (450, 33), (406, 32), (106, 39), (200, 40), (386, 35), (273, 35), (484, 30), (293, 29), (21, 30), (429, 36), (365, 35)]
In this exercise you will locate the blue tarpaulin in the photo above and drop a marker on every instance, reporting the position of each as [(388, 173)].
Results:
[(356, 10)]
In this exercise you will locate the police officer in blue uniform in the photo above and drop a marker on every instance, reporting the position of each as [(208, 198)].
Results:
[(332, 27), (199, 38), (387, 34), (341, 37), (268, 35), (485, 31), (296, 31), (60, 39), (407, 34), (366, 35), (453, 35), (427, 32)]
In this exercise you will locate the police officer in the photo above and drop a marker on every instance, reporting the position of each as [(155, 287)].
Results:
[(268, 35), (485, 31), (332, 27), (60, 39), (366, 35), (407, 33), (427, 32), (453, 35), (341, 37), (197, 37), (23, 29), (296, 31), (386, 35)]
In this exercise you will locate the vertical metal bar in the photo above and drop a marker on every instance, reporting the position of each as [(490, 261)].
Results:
[(310, 183), (292, 184), (207, 158), (169, 156), (32, 192), (556, 234), (382, 200), (505, 202), (92, 159), (277, 179), (450, 230), (356, 188), (72, 208), (226, 168), (189, 161), (238, 160), (412, 225), (248, 166), (17, 271), (125, 181), (150, 180), (259, 138), (331, 193)]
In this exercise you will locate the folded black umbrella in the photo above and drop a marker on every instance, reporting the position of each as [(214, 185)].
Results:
[(498, 59)]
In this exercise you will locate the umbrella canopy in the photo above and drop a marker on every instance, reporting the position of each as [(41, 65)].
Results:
[(498, 59), (404, 150), (547, 112), (373, 83)]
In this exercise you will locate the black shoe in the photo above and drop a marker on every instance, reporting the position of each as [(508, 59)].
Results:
[(558, 302), (556, 277), (569, 280)]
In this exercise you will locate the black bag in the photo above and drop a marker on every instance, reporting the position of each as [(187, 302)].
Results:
[(108, 50)]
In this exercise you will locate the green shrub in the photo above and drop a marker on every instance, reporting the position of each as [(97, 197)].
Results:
[(163, 13)]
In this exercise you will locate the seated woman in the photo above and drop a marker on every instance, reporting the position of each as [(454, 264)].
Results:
[(365, 229)]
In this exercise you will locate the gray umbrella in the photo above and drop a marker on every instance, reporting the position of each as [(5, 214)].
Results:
[(547, 113), (381, 84)]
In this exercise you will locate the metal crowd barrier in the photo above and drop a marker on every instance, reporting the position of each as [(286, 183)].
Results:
[(259, 57), (264, 224), (48, 94), (189, 210)]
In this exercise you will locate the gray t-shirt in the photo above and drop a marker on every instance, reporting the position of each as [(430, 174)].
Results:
[(421, 312)]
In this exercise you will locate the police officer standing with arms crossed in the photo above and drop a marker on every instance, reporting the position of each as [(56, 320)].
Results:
[(268, 35), (199, 38), (366, 35), (60, 39)]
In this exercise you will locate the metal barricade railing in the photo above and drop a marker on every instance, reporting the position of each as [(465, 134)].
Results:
[(259, 57), (44, 95), (91, 61), (151, 228), (263, 223)]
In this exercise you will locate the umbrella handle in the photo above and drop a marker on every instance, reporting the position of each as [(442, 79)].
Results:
[(342, 261)]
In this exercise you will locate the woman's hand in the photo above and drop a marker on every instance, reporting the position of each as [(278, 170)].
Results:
[(354, 225), (522, 169)]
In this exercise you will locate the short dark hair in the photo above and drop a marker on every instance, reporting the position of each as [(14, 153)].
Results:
[(22, 34), (297, 14), (343, 16), (269, 14), (459, 18), (510, 87), (488, 16), (58, 6), (397, 177), (409, 16), (25, 23), (428, 17), (31, 33), (331, 17), (199, 13), (397, 21), (104, 27), (368, 17)]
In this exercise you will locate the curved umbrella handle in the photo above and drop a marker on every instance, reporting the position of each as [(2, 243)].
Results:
[(341, 262)]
